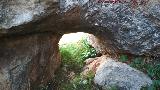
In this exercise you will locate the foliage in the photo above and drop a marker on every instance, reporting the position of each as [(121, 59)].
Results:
[(74, 54), (154, 71), (80, 82), (123, 58), (139, 64), (73, 57)]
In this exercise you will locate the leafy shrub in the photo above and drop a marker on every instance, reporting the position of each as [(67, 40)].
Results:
[(80, 82), (123, 58), (154, 71), (139, 63), (74, 54)]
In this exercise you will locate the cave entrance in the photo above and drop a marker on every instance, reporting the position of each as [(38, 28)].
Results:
[(75, 48)]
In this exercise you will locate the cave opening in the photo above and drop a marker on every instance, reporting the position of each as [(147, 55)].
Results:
[(75, 48)]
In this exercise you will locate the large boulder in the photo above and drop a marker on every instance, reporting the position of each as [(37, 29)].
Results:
[(112, 74)]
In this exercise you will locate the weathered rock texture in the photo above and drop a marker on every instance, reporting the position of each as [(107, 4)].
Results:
[(126, 25), (96, 43), (28, 61), (116, 74), (135, 30), (132, 26)]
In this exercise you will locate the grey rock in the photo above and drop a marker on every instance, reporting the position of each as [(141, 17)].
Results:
[(122, 27), (17, 12), (24, 44), (116, 74), (136, 30)]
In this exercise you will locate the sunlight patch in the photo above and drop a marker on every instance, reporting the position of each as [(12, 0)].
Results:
[(72, 37)]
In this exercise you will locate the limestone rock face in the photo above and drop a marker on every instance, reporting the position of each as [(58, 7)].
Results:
[(28, 61), (116, 74), (123, 25), (134, 29)]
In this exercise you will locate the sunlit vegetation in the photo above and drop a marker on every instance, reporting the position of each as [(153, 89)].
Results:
[(73, 55)]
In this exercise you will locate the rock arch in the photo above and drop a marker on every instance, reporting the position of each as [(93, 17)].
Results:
[(30, 31)]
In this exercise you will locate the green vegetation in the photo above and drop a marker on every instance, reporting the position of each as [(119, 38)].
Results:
[(80, 82), (73, 57), (151, 68), (123, 58), (74, 54)]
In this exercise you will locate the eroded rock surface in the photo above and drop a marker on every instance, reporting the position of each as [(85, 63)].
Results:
[(116, 74), (132, 27), (125, 25), (17, 12), (28, 61)]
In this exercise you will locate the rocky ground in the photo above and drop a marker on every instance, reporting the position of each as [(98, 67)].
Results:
[(109, 74)]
